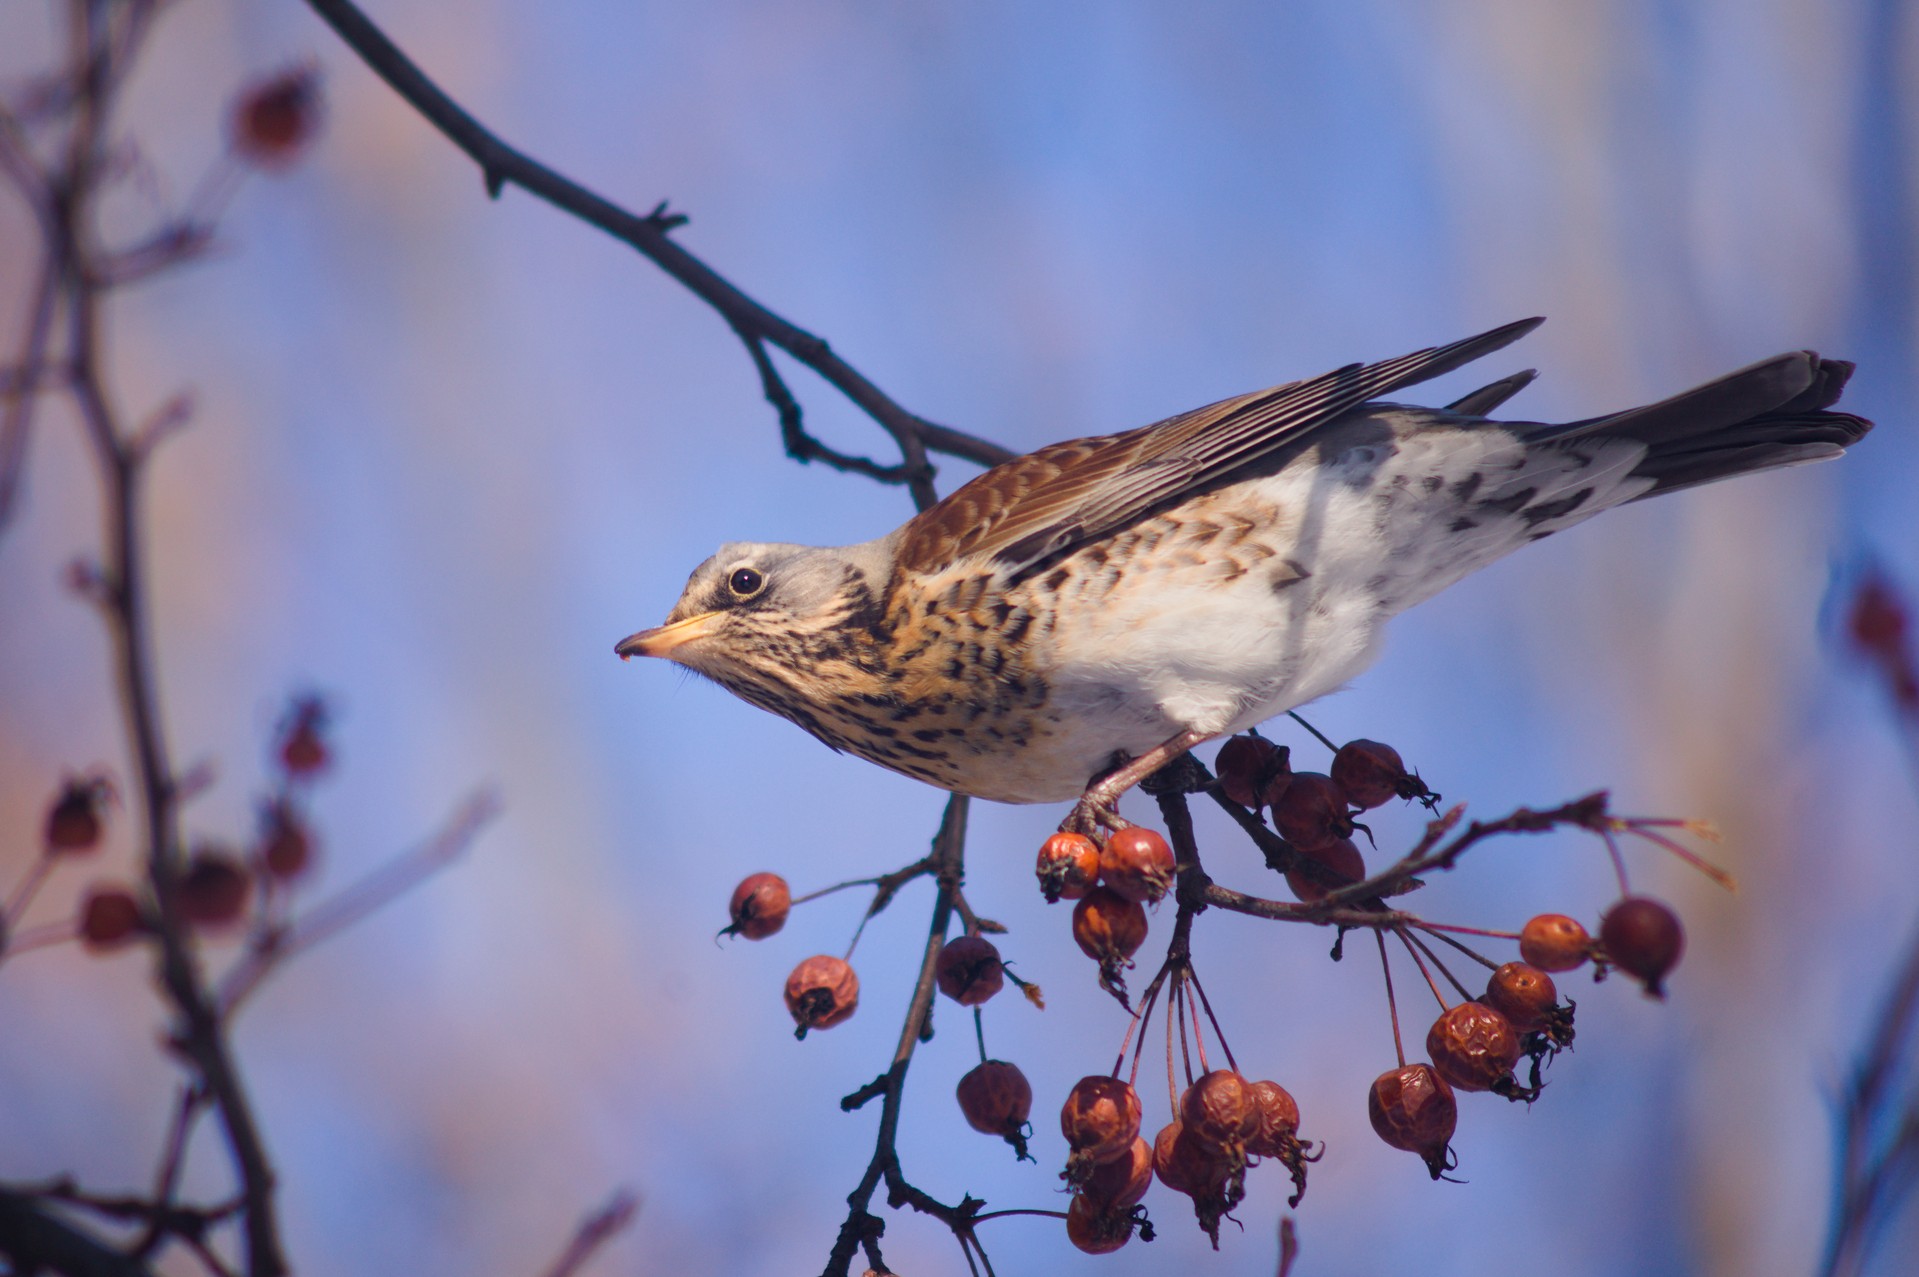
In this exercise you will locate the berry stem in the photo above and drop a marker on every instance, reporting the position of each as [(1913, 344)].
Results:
[(1618, 861), (1414, 954), (979, 1033), (24, 893), (1392, 1003), (1432, 957), (1214, 1020), (1317, 734), (1439, 933)]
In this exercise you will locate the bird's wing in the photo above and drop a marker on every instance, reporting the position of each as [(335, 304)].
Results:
[(1030, 509)]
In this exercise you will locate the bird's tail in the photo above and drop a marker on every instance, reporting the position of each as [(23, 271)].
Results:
[(1770, 414)]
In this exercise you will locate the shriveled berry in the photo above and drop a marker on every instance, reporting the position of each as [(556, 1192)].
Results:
[(1277, 1128), (1100, 1121), (1311, 811), (1523, 994), (1068, 867), (1245, 764), (286, 844), (1340, 859), (109, 918), (1138, 864), (1097, 1229), (1368, 773), (212, 891), (275, 119), (821, 992), (968, 970), (1185, 1164), (1412, 1108), (996, 1099), (1554, 942), (1642, 937), (73, 822), (1108, 926), (1218, 1109), (1122, 1181), (1473, 1046), (759, 906)]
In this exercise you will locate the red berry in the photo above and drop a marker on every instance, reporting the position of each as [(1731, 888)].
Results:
[(1554, 942), (286, 845), (1368, 773), (822, 992), (303, 750), (1245, 764), (996, 1099), (1108, 926), (1096, 1229), (1100, 1121), (1122, 1181), (1413, 1109), (1340, 859), (1523, 994), (274, 119), (759, 906), (968, 970), (1311, 811), (1277, 1130), (1068, 867), (1643, 938), (1877, 621), (212, 892), (1473, 1046), (1138, 864), (1185, 1164), (73, 822), (109, 918), (1219, 1110)]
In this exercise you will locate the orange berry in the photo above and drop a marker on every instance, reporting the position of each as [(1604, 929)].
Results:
[(1096, 1229), (1473, 1046), (1245, 764), (1310, 812), (1412, 1108), (212, 891), (1341, 859), (1100, 1121), (1523, 994), (1218, 1109), (1187, 1164), (968, 970), (996, 1099), (821, 992), (1368, 773), (1643, 938), (759, 906), (1068, 867), (1108, 926), (1277, 1128), (109, 918), (1122, 1181), (1554, 942), (1138, 864)]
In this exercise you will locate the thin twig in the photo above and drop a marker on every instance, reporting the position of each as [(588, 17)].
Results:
[(595, 1231)]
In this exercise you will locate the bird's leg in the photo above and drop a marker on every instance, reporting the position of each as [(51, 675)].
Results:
[(1098, 808)]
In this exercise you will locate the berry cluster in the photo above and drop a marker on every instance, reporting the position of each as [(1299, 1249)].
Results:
[(1112, 883)]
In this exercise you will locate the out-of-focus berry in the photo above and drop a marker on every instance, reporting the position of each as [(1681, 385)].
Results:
[(1877, 621), (73, 822), (1068, 867), (1523, 994), (1122, 1181), (1413, 1109), (212, 890), (1108, 926), (996, 1099), (1245, 764), (1096, 1229), (303, 748), (1138, 864), (1218, 1109), (821, 992), (109, 918), (275, 118), (1643, 938), (759, 906), (1100, 1121), (1277, 1127), (1554, 942), (968, 970), (1473, 1046), (1311, 812), (1368, 773), (1342, 859), (286, 844)]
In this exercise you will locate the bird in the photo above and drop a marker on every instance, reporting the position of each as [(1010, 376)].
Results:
[(1071, 620)]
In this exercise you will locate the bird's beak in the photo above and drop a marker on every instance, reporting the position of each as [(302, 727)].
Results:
[(665, 639)]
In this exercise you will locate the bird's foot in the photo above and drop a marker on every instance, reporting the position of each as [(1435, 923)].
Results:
[(1095, 815)]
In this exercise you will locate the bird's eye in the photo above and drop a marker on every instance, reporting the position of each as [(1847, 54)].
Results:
[(745, 582)]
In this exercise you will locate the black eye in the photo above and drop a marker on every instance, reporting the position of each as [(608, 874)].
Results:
[(745, 582)]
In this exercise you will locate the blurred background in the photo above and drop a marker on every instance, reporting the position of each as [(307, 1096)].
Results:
[(448, 451)]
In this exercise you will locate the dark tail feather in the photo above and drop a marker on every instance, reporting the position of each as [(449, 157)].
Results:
[(1768, 415), (1483, 400)]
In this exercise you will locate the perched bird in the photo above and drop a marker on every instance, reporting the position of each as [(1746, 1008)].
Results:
[(1072, 619)]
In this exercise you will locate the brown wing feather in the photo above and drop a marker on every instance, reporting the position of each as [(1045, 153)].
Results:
[(1033, 507)]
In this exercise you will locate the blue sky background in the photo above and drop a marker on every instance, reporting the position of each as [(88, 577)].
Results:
[(449, 451)]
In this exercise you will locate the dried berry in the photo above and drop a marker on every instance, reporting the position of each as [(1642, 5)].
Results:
[(1186, 1164), (1068, 867), (1246, 764), (1554, 942), (1122, 1181), (1413, 1109), (1369, 773), (821, 992), (1277, 1126), (303, 749), (1138, 864), (1100, 1121), (212, 891), (1523, 994), (996, 1100), (1340, 860), (1473, 1046), (274, 119), (1096, 1229), (1311, 811), (1108, 926), (73, 822), (109, 918), (1218, 1109), (968, 970), (759, 906), (286, 845), (1643, 938)]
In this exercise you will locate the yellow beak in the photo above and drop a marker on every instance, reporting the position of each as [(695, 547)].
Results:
[(665, 639)]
